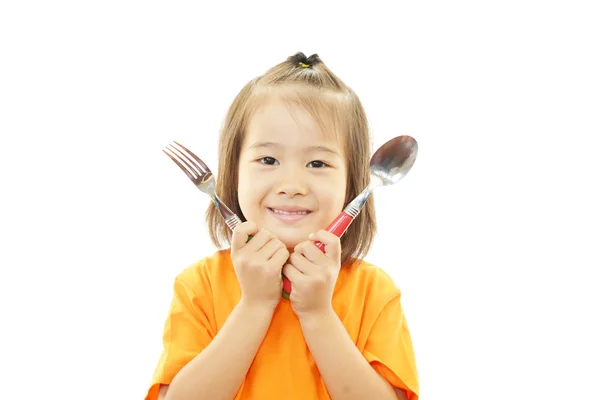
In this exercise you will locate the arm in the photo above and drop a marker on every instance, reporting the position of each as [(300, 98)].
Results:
[(218, 371), (346, 373)]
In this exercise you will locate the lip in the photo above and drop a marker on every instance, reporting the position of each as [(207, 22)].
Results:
[(289, 217)]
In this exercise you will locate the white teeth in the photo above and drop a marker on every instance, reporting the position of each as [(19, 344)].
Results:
[(288, 212)]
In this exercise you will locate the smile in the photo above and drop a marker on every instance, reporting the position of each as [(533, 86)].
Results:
[(289, 216)]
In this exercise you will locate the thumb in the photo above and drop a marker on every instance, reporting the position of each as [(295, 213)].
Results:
[(332, 247)]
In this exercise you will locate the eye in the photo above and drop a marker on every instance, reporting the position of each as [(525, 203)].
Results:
[(317, 164), (268, 161)]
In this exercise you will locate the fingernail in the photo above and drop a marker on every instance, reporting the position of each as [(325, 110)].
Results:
[(312, 235)]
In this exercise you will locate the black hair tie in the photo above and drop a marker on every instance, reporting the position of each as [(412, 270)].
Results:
[(305, 62)]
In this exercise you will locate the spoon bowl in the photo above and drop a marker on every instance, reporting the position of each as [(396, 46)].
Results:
[(393, 160)]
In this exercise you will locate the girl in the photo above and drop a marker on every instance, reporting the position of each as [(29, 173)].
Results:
[(294, 150)]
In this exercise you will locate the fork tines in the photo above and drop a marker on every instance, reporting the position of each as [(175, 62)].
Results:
[(189, 163)]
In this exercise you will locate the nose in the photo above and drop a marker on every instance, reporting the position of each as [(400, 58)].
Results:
[(292, 183)]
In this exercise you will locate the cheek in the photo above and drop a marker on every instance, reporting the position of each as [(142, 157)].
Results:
[(242, 182), (245, 178), (251, 190), (243, 188), (334, 194)]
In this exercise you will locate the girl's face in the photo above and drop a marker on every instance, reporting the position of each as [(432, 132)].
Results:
[(292, 177)]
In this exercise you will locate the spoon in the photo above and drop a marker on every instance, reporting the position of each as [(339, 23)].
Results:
[(390, 163)]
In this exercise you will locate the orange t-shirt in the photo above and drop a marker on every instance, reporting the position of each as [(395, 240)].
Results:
[(365, 299)]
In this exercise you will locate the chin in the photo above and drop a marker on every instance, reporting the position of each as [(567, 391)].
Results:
[(291, 241)]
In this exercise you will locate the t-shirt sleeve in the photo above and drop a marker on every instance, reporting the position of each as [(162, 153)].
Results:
[(389, 349), (186, 333)]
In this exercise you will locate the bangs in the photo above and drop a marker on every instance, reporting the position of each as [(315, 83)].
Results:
[(329, 109)]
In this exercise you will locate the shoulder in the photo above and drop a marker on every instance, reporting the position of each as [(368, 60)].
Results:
[(200, 275), (370, 276), (367, 284)]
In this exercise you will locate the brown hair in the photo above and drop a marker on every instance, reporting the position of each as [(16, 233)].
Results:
[(330, 102)]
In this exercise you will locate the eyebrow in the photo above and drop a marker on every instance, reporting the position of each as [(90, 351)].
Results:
[(306, 149)]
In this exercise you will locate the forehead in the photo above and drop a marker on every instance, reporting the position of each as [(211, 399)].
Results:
[(294, 116)]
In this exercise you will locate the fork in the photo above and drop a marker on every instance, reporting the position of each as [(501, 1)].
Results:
[(202, 177)]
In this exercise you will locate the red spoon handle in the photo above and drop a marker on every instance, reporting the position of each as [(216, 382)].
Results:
[(287, 287), (337, 227)]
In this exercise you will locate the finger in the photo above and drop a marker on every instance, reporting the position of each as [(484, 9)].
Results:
[(259, 240), (270, 248), (293, 274), (280, 257), (333, 248), (309, 251), (241, 233), (302, 264)]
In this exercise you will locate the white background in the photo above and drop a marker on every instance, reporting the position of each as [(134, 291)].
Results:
[(493, 237)]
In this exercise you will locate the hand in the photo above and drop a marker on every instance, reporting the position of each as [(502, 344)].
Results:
[(313, 275), (258, 263)]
